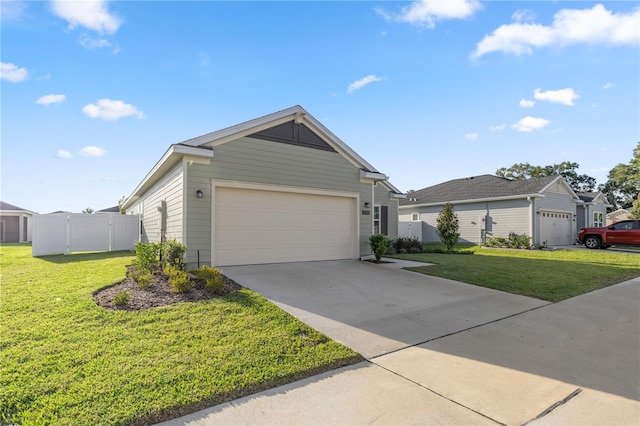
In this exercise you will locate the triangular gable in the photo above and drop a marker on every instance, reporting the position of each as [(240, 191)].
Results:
[(560, 186), (293, 133)]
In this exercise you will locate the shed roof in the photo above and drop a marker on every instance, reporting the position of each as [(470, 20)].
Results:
[(483, 187)]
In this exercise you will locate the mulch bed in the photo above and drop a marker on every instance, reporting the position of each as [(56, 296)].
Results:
[(158, 294)]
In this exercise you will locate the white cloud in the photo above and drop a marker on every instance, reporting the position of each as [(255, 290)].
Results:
[(525, 103), (570, 26), (363, 82), (471, 136), (108, 109), (50, 99), (427, 12), (93, 43), (63, 154), (12, 10), (609, 86), (528, 124), (562, 96), (92, 151), (497, 128), (523, 15), (13, 73), (93, 15)]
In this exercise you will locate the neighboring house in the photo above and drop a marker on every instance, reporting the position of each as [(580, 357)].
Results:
[(114, 209), (617, 216), (15, 223), (279, 188), (491, 206), (593, 210)]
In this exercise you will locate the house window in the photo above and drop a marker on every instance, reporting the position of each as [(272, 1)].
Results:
[(597, 219), (376, 219), (415, 217)]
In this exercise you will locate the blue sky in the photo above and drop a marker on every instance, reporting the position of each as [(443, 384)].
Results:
[(93, 93)]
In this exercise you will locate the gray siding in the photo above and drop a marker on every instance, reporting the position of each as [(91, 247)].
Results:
[(495, 219), (260, 161), (168, 189)]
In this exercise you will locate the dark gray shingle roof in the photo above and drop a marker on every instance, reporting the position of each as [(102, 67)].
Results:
[(475, 188), (7, 206)]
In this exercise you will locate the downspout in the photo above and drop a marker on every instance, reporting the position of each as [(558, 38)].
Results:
[(531, 220), (373, 205)]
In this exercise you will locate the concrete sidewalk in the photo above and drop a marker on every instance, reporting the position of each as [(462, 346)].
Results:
[(573, 362)]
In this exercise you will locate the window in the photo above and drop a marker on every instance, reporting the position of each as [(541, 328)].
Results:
[(597, 219), (415, 217), (376, 219)]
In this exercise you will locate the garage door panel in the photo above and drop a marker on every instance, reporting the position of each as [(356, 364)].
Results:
[(555, 228), (256, 226)]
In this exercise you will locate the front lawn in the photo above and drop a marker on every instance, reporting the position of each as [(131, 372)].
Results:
[(547, 275), (65, 360)]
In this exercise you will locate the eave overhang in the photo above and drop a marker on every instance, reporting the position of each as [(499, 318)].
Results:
[(170, 158), (477, 200)]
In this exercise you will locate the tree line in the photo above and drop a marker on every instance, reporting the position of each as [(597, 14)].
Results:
[(622, 187)]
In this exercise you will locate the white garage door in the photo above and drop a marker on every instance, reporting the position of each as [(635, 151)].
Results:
[(257, 226), (555, 228)]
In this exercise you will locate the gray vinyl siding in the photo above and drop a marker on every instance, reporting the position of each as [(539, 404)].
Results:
[(557, 203), (168, 189), (476, 220), (260, 161)]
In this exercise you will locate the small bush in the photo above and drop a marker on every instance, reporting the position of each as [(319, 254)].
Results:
[(144, 280), (213, 279), (122, 298), (147, 256), (379, 245), (514, 241), (173, 254), (178, 279), (407, 245)]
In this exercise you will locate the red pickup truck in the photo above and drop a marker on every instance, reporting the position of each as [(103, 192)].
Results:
[(625, 232)]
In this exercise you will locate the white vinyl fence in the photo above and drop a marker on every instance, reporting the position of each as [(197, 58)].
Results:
[(64, 233)]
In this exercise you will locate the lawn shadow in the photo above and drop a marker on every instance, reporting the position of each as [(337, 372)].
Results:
[(62, 259)]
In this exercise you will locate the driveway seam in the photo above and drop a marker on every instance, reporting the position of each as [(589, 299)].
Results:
[(554, 406), (462, 331), (438, 394)]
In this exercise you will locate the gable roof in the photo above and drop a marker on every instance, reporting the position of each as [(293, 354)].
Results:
[(316, 135), (10, 207), (591, 197), (483, 187)]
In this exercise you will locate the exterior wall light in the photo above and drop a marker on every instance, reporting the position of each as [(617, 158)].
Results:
[(367, 205), (199, 194)]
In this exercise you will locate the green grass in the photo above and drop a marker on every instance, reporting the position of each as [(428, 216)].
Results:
[(64, 360), (547, 275)]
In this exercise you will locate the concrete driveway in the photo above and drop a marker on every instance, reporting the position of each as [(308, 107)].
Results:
[(443, 352), (376, 309)]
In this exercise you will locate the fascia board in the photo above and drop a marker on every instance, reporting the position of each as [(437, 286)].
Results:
[(477, 200), (168, 160), (239, 130), (397, 195), (373, 176)]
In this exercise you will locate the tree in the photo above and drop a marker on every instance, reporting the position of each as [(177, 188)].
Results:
[(88, 210), (120, 204), (566, 169), (448, 226), (623, 185), (635, 209)]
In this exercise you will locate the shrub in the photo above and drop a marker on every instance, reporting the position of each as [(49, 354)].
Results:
[(514, 241), (173, 254), (144, 280), (213, 279), (122, 298), (407, 245), (178, 279), (146, 256), (379, 245), (448, 226)]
